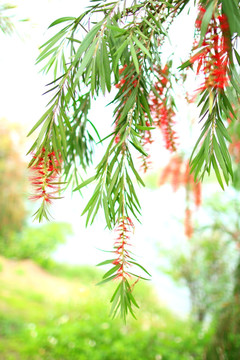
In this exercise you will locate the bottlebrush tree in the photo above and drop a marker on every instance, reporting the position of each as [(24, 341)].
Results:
[(117, 45)]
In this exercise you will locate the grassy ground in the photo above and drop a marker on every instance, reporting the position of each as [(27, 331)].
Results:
[(47, 317)]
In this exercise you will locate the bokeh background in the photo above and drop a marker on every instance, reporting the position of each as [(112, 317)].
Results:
[(50, 306)]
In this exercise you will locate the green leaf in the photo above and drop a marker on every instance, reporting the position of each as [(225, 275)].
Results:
[(220, 159), (237, 56), (141, 267), (185, 64), (206, 19), (106, 65), (214, 163), (40, 120), (111, 271), (141, 46), (87, 59), (138, 177), (96, 201), (231, 9), (145, 128), (106, 262), (43, 131), (138, 276), (106, 211), (129, 104), (61, 20), (63, 134), (223, 130), (228, 104), (118, 54), (87, 41), (138, 147), (224, 151), (205, 128), (85, 183), (106, 280), (134, 56), (113, 181), (93, 199), (116, 28)]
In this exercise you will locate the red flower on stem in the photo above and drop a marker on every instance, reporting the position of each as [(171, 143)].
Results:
[(213, 60), (124, 228), (45, 179)]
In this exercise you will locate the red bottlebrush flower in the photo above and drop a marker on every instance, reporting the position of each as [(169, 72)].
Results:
[(161, 112), (201, 13), (45, 178), (124, 227), (197, 193), (117, 139), (213, 59), (176, 172), (146, 163), (173, 172), (223, 22)]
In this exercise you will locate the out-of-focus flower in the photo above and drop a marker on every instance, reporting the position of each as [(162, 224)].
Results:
[(161, 111)]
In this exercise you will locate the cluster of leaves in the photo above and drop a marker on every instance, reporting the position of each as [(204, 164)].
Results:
[(37, 243), (219, 20), (119, 44), (203, 267), (76, 327)]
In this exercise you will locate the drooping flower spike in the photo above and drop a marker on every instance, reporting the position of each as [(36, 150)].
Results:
[(212, 58), (162, 109), (121, 272), (45, 180)]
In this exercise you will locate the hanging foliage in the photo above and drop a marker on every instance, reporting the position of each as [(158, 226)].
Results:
[(117, 45)]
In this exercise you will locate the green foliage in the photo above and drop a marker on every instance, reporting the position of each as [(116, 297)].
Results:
[(86, 64), (118, 45), (37, 243), (39, 326), (203, 267), (85, 273), (226, 339)]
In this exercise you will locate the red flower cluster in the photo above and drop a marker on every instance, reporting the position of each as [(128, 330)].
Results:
[(45, 180), (213, 59), (161, 112), (178, 173), (124, 228), (200, 16), (188, 226)]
